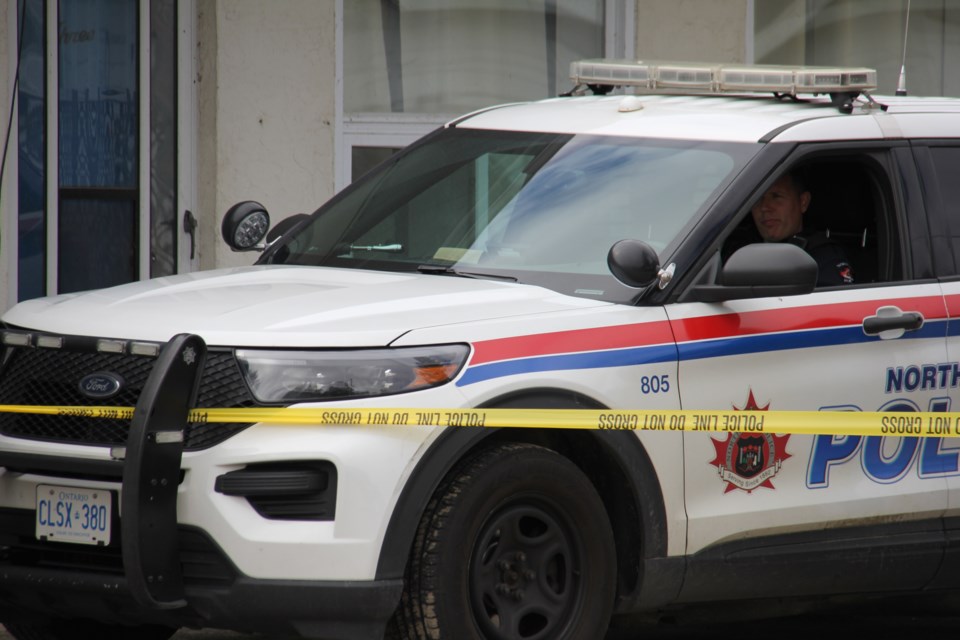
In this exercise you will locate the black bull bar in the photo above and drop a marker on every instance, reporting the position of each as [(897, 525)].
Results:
[(151, 474)]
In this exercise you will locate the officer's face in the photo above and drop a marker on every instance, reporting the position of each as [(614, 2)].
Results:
[(779, 213)]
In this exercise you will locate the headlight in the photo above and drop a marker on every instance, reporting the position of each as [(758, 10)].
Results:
[(304, 376)]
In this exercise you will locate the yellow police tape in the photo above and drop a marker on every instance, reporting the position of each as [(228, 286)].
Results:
[(924, 424)]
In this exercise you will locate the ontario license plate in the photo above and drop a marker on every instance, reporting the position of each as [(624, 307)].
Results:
[(73, 514)]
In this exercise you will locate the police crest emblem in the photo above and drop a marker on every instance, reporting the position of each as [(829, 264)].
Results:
[(746, 461)]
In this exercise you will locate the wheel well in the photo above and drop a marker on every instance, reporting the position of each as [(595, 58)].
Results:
[(615, 462)]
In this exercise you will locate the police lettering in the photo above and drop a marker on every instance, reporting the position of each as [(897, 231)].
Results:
[(900, 425), (939, 426), (704, 422), (923, 377), (341, 417), (378, 417), (742, 422), (465, 419), (427, 418), (884, 459), (617, 421)]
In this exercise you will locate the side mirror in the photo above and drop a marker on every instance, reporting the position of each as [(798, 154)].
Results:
[(634, 263), (759, 271), (245, 225)]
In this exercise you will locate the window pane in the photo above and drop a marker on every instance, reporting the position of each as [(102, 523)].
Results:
[(98, 93), (865, 33), (364, 159), (98, 116), (536, 208), (946, 162), (31, 100), (452, 56), (96, 243)]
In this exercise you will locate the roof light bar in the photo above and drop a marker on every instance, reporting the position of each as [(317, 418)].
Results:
[(723, 78)]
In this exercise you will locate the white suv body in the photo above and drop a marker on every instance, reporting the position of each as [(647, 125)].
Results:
[(472, 271)]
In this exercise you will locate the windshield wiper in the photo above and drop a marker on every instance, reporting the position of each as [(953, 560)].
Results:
[(448, 270), (389, 248)]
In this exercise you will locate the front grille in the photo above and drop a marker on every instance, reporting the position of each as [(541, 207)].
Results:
[(51, 377)]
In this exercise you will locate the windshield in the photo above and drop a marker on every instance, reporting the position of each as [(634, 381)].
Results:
[(528, 207)]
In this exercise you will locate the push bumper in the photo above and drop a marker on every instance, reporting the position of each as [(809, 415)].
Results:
[(152, 574), (327, 610)]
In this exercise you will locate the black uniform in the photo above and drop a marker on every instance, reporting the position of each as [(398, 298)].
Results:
[(834, 267)]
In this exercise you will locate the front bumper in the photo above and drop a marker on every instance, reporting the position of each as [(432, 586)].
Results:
[(156, 571), (317, 609)]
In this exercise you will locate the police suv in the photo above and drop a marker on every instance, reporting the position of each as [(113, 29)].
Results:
[(582, 252)]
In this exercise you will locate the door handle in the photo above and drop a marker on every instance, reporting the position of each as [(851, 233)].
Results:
[(892, 322), (190, 226)]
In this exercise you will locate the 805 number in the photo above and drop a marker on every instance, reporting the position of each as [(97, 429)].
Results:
[(655, 384)]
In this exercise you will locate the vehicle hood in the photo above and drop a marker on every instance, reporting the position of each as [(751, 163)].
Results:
[(285, 306)]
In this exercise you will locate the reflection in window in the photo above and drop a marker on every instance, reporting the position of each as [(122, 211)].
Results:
[(537, 208), (946, 167), (595, 192), (865, 33), (364, 159), (163, 138), (90, 257), (452, 56), (98, 93), (98, 116), (31, 104)]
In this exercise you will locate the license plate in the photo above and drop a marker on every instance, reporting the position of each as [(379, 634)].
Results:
[(73, 514)]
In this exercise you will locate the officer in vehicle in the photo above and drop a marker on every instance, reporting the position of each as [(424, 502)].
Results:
[(778, 217)]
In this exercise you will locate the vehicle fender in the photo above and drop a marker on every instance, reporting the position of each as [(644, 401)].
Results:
[(647, 577)]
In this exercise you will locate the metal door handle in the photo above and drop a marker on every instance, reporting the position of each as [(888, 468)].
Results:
[(892, 319)]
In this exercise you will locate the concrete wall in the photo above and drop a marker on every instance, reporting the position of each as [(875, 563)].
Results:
[(692, 30), (778, 38), (265, 93)]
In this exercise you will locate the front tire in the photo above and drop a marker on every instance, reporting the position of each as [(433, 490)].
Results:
[(514, 545)]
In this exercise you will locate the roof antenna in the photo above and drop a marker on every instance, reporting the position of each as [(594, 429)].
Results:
[(902, 82)]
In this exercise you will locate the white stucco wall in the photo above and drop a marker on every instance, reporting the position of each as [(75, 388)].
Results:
[(266, 82)]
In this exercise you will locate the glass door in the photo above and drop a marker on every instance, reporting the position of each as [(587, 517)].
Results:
[(99, 201), (98, 143)]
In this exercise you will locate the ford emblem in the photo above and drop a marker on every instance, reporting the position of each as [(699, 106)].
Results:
[(101, 385)]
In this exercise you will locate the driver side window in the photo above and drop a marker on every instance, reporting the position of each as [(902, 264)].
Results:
[(839, 209)]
